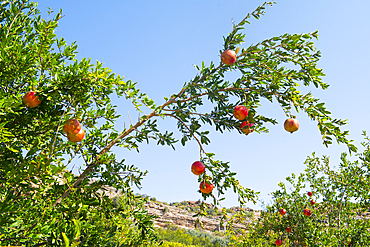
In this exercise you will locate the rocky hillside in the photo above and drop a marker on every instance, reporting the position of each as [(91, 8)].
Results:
[(181, 215)]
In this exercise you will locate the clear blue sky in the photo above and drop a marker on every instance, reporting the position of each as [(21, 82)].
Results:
[(156, 44)]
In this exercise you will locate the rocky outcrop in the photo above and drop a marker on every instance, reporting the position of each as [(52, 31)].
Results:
[(184, 219), (176, 215)]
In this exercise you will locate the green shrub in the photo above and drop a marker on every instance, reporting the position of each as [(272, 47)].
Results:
[(337, 217), (165, 210), (173, 234)]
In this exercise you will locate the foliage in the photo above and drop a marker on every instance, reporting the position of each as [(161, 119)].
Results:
[(43, 203), (339, 215), (172, 244), (172, 234)]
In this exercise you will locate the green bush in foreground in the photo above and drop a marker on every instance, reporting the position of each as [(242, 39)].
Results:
[(174, 244), (173, 234)]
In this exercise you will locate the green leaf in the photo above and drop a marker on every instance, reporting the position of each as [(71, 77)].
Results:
[(66, 240)]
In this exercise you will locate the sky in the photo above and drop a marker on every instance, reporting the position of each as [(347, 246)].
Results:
[(156, 43)]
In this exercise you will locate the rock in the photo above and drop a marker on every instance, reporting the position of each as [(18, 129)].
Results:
[(184, 219)]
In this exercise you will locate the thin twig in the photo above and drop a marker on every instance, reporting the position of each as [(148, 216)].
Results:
[(55, 137), (195, 113), (199, 143), (222, 90), (130, 118), (11, 24)]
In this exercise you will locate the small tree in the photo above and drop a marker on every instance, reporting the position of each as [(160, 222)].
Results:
[(42, 203), (337, 202)]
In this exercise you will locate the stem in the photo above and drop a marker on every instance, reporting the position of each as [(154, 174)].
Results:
[(340, 210), (199, 143), (195, 113), (223, 90), (11, 24)]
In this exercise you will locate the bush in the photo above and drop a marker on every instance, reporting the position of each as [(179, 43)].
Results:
[(165, 210), (340, 196), (174, 244), (191, 237)]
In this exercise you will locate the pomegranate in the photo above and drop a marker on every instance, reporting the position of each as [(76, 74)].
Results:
[(228, 57), (206, 187), (291, 125), (240, 112), (31, 100), (198, 168)]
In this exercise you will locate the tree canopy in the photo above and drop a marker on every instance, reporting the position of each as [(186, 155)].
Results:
[(43, 203)]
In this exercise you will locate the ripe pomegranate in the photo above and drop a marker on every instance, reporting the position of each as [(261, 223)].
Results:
[(278, 242), (206, 187), (228, 57), (291, 125), (312, 202), (76, 137), (72, 126), (245, 127), (240, 112), (31, 100), (307, 212), (282, 211), (309, 193), (198, 168), (288, 229)]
